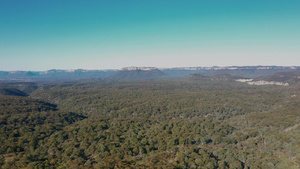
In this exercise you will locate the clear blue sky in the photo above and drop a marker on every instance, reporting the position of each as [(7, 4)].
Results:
[(103, 34)]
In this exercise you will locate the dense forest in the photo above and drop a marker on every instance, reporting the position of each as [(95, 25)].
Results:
[(187, 123)]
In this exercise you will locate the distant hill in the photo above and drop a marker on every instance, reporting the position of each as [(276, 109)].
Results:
[(137, 73), (221, 77), (197, 77), (291, 77), (242, 71), (247, 73)]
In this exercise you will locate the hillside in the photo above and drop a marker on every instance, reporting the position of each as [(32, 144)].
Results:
[(290, 77), (218, 77), (242, 71), (11, 92), (25, 87)]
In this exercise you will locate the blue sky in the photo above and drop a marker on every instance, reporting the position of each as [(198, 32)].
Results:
[(104, 34)]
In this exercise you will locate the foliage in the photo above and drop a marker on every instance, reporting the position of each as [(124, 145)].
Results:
[(160, 124)]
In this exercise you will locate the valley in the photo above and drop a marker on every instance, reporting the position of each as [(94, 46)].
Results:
[(195, 121)]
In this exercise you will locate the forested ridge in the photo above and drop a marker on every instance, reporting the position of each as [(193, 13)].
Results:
[(188, 123)]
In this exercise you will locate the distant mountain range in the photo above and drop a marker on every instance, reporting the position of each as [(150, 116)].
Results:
[(139, 73), (54, 75)]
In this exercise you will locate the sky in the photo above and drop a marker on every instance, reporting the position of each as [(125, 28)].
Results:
[(40, 35)]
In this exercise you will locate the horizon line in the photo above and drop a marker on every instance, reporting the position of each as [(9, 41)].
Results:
[(146, 67)]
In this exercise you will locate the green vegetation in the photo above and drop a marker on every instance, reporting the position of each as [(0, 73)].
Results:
[(191, 123)]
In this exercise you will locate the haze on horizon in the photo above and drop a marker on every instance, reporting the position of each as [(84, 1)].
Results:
[(72, 34)]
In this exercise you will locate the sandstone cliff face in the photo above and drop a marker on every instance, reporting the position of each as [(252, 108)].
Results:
[(138, 68)]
